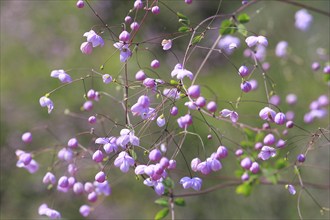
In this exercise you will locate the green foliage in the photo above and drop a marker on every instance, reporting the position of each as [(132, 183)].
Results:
[(227, 27), (197, 39), (183, 19), (179, 202), (271, 175), (184, 29), (242, 30), (244, 189), (243, 18), (162, 202), (162, 213), (281, 163)]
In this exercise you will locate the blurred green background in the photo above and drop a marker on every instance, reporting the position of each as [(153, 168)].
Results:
[(40, 36)]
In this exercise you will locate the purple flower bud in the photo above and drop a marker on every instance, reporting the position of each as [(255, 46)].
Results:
[(27, 137), (267, 114), (155, 10), (84, 210), (246, 86), (269, 139), (164, 162), (280, 143), (78, 188), (258, 146), (155, 64), (174, 111), (86, 48), (209, 136), (172, 165), (222, 152), (80, 4), (275, 100), (239, 152), (49, 178), (188, 1), (267, 152), (149, 83), (246, 163), (155, 155), (291, 99), (254, 84), (124, 36), (265, 126), (140, 75), (265, 66), (291, 189), (72, 169), (326, 69), (138, 4), (92, 197), (289, 124), (46, 102), (100, 177), (323, 101), (200, 101), (98, 156), (251, 41), (315, 66), (88, 187), (73, 143), (88, 106), (244, 2), (106, 78), (161, 121), (263, 41), (254, 168), (185, 121), (211, 106), (63, 182), (245, 177), (71, 181), (281, 49), (243, 71), (135, 26), (303, 20), (301, 158), (194, 163), (194, 91), (92, 119), (91, 94), (167, 44), (128, 19), (280, 118)]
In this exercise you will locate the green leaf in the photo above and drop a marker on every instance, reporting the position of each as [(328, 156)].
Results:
[(327, 77), (162, 214), (197, 39), (244, 189), (162, 202), (168, 182), (246, 144), (281, 163), (184, 22), (179, 202), (242, 30), (243, 18), (259, 137), (227, 27), (174, 82), (182, 16), (250, 134), (270, 175), (184, 29)]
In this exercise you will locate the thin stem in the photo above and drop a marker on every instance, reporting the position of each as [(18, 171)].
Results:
[(305, 6)]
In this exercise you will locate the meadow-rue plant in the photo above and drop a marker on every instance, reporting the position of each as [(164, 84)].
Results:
[(168, 130)]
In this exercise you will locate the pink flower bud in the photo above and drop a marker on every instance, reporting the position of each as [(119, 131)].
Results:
[(124, 36), (73, 143), (194, 91), (155, 10), (269, 139), (128, 19), (174, 111), (246, 163), (135, 26), (155, 155), (246, 86), (98, 156), (212, 106), (140, 75), (155, 64), (100, 177), (86, 48), (80, 4), (243, 71), (27, 137)]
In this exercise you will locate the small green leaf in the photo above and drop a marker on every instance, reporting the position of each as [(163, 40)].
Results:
[(243, 18), (168, 182), (242, 30), (326, 77), (227, 27), (246, 144), (184, 29), (281, 163), (179, 202), (184, 22), (244, 189), (182, 16), (249, 134), (162, 202), (259, 137), (174, 82), (161, 214), (197, 39)]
